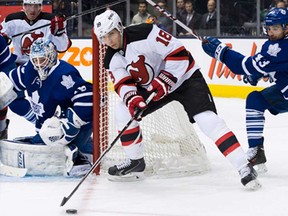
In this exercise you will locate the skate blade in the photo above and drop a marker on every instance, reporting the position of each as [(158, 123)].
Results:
[(131, 177), (261, 168), (253, 185)]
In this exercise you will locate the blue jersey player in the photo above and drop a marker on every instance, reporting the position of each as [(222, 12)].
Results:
[(52, 84), (271, 62)]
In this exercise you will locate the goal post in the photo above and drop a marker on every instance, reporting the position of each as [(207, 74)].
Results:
[(171, 145)]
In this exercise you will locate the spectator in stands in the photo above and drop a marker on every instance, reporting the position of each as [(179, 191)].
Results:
[(209, 19), (180, 4), (142, 14), (180, 12), (165, 23), (192, 19)]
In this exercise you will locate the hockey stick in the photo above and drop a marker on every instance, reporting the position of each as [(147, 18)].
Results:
[(12, 171), (174, 19), (136, 116), (74, 16)]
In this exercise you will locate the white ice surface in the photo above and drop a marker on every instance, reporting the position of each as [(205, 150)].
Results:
[(216, 193)]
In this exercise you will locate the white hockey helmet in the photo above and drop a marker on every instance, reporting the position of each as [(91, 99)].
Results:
[(43, 56), (106, 22), (40, 2)]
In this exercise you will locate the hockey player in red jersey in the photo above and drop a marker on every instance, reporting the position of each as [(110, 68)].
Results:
[(142, 59), (31, 17)]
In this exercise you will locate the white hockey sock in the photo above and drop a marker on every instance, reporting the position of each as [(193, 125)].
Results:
[(237, 158)]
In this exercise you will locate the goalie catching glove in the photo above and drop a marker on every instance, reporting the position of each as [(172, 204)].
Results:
[(58, 25), (61, 131), (162, 84)]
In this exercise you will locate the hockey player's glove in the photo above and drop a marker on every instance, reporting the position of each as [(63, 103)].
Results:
[(214, 48), (58, 25), (253, 78), (134, 102), (61, 131), (162, 84)]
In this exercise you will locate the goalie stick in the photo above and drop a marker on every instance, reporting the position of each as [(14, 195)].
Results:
[(136, 116), (174, 19), (73, 16), (12, 171)]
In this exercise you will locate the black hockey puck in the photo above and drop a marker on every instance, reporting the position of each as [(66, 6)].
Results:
[(71, 211)]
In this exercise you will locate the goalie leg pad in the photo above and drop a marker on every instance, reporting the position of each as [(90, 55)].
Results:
[(7, 94), (39, 160)]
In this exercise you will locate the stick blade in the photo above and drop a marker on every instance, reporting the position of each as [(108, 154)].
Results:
[(65, 199)]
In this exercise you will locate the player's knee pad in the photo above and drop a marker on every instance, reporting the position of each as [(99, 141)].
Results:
[(256, 101), (211, 125)]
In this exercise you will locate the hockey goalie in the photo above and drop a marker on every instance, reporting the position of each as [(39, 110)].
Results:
[(61, 101)]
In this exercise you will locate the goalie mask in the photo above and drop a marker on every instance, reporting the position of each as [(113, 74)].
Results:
[(106, 22), (43, 56)]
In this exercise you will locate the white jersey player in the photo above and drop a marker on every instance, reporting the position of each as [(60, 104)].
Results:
[(23, 21), (32, 17), (142, 59)]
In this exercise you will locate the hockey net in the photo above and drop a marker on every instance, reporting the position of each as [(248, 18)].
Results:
[(172, 147)]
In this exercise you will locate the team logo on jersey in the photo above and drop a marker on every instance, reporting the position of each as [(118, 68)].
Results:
[(36, 106), (273, 50), (141, 71), (67, 81), (27, 40)]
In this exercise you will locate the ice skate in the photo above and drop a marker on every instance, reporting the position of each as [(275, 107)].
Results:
[(129, 170), (4, 133), (256, 156), (249, 177)]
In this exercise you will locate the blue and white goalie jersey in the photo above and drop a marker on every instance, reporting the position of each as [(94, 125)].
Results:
[(64, 86)]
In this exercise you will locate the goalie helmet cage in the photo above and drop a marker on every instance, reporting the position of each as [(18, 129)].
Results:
[(172, 147)]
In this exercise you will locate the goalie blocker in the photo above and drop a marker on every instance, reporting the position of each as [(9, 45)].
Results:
[(40, 159)]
